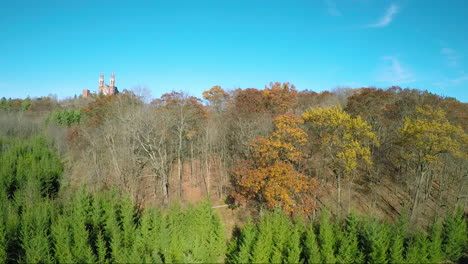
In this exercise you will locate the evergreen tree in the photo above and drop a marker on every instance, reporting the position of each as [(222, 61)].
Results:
[(348, 250), (245, 241), (377, 241), (397, 241), (174, 253), (101, 249), (311, 247), (113, 232), (262, 248), (436, 254), (3, 241), (417, 251), (281, 233), (81, 247), (128, 229), (455, 235), (35, 238), (61, 236), (293, 246), (326, 239)]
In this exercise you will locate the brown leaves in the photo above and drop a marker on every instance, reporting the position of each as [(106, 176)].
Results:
[(271, 175)]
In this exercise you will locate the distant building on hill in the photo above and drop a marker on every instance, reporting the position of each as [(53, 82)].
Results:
[(104, 88)]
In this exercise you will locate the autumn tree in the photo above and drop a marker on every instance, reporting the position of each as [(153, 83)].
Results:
[(423, 139), (343, 140), (217, 97), (187, 114), (279, 97), (271, 174)]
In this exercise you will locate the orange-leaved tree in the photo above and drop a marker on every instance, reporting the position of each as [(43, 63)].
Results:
[(271, 175)]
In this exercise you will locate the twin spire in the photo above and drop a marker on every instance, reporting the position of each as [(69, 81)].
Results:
[(111, 83), (107, 89)]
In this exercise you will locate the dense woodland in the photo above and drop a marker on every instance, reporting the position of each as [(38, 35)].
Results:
[(352, 175)]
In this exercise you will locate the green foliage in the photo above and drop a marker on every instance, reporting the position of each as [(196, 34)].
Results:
[(26, 104), (61, 237), (262, 249), (348, 250), (3, 242), (377, 241), (67, 117), (326, 239), (35, 230), (455, 235), (398, 235), (435, 251), (81, 227), (311, 247), (29, 163), (293, 247), (242, 246), (417, 250)]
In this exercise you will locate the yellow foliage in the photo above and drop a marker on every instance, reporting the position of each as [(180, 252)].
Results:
[(344, 138), (429, 134), (216, 95)]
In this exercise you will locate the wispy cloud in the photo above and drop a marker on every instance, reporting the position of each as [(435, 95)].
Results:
[(459, 80), (454, 82), (393, 72), (332, 8), (387, 18), (451, 57)]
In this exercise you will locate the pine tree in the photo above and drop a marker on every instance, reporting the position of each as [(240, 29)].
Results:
[(35, 233), (216, 237), (81, 247), (377, 241), (3, 241), (281, 233), (101, 249), (113, 232), (397, 241), (175, 237), (293, 246), (436, 254), (311, 247), (61, 236), (417, 251), (154, 240), (127, 217), (455, 235), (348, 250), (326, 239), (245, 241), (262, 248)]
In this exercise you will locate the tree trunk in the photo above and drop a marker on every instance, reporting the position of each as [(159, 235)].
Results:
[(338, 181), (179, 164), (418, 189)]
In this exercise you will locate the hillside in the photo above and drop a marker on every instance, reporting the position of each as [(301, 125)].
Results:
[(383, 154)]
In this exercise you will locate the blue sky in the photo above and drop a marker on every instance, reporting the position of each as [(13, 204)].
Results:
[(60, 47)]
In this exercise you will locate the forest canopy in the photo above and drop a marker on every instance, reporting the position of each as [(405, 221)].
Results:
[(248, 175)]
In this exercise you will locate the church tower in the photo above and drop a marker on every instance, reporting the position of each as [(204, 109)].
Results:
[(101, 80), (112, 81), (105, 89)]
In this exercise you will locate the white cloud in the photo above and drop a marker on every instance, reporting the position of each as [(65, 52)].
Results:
[(332, 8), (393, 72), (451, 57), (387, 18), (454, 82), (459, 80)]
